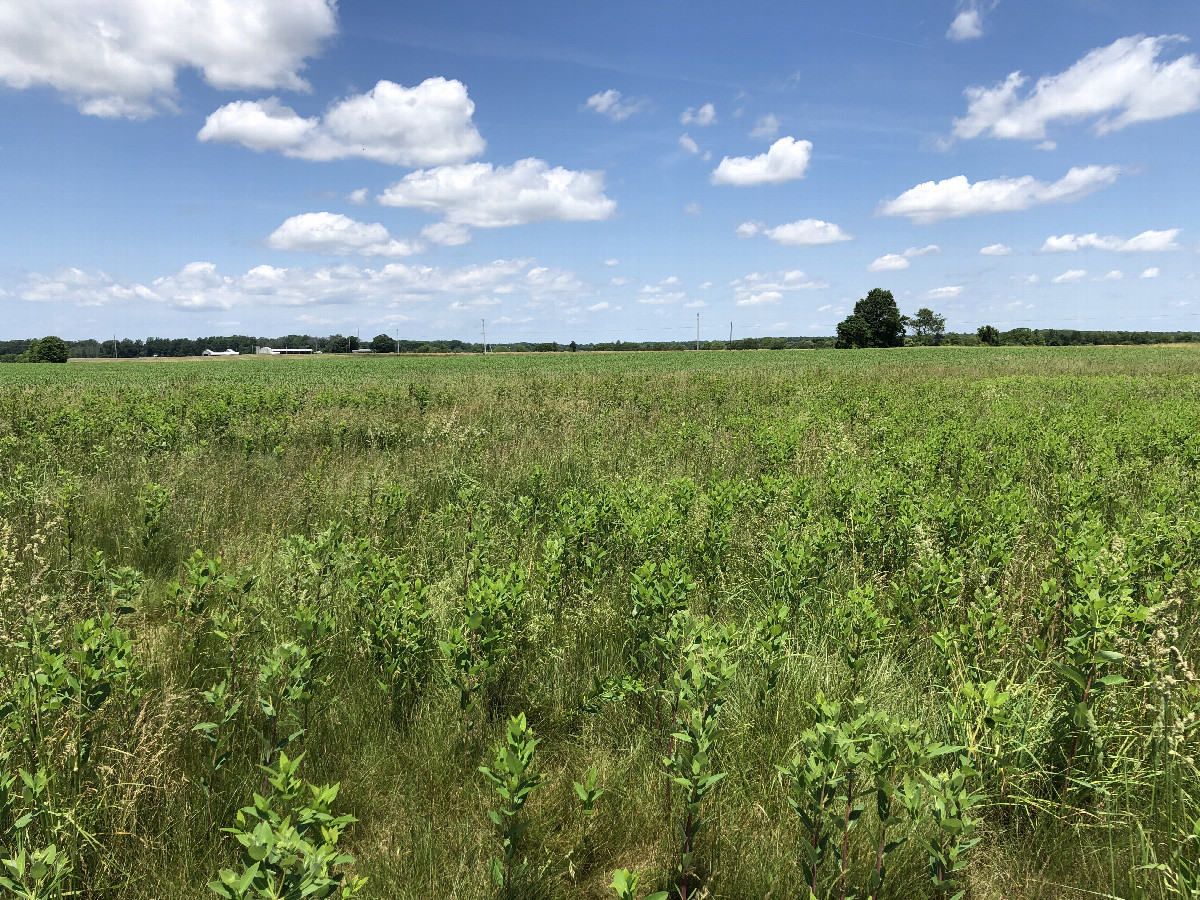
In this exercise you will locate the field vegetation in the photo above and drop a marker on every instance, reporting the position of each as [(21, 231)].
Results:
[(870, 624)]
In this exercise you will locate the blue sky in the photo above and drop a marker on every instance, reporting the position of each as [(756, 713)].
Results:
[(593, 172)]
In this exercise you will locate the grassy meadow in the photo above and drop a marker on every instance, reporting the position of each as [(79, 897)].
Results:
[(888, 624)]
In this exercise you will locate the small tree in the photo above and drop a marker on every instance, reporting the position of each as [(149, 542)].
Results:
[(927, 324), (337, 343), (853, 332), (989, 334)]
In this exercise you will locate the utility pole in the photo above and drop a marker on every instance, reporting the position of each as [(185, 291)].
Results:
[(730, 346), (397, 341), (483, 323), (697, 331)]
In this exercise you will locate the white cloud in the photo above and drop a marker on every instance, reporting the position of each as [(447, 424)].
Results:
[(692, 209), (967, 25), (996, 250), (786, 160), (1070, 276), (1028, 279), (1118, 85), (120, 58), (622, 280), (1150, 273), (1150, 241), (933, 201), (1046, 145), (426, 125), (945, 293), (705, 285), (609, 103), (476, 304), (890, 262), (337, 235), (748, 229), (1114, 275), (760, 288), (599, 307), (807, 233), (654, 295), (75, 286), (358, 197), (765, 127), (705, 115), (922, 251), (612, 262), (695, 304), (199, 285), (760, 298), (447, 234), (481, 195), (686, 142)]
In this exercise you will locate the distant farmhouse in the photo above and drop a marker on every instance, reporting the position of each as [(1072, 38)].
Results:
[(287, 351), (220, 353)]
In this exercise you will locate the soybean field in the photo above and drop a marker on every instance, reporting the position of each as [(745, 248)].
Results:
[(801, 624)]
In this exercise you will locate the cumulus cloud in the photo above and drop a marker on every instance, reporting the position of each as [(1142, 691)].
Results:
[(922, 251), (1070, 276), (955, 197), (787, 159), (705, 115), (760, 298), (764, 288), (121, 58), (599, 307), (688, 144), (337, 235), (446, 234), (609, 103), (426, 125), (807, 233), (481, 195), (890, 262), (1117, 86), (1114, 275), (945, 293), (358, 197), (612, 262), (996, 250), (199, 285), (1150, 273), (1148, 241), (765, 127), (80, 288), (967, 25)]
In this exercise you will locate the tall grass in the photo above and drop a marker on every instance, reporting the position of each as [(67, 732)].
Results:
[(940, 603)]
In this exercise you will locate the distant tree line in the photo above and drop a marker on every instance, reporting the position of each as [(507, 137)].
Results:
[(926, 330)]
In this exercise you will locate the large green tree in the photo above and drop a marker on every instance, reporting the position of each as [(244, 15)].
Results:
[(383, 343), (853, 332), (51, 349), (881, 316)]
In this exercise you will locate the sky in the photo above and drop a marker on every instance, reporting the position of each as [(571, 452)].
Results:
[(594, 172)]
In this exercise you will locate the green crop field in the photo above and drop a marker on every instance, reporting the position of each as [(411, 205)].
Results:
[(871, 624)]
